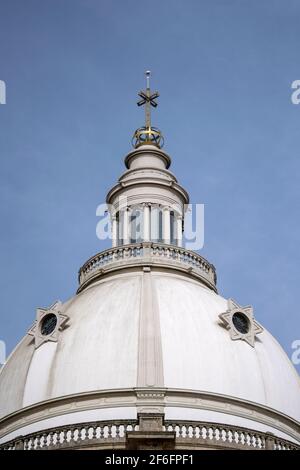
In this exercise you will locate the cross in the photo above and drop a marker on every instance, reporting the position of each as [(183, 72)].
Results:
[(148, 100)]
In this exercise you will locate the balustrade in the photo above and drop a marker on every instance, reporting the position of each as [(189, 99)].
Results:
[(152, 253), (192, 433)]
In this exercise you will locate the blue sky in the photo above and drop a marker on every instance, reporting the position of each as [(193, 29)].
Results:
[(224, 70)]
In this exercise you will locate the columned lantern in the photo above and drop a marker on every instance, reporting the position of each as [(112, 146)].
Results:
[(147, 204), (147, 354)]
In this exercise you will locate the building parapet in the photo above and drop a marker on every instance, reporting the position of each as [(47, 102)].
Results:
[(147, 254)]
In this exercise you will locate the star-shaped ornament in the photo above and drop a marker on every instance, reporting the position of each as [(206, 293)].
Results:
[(48, 324), (240, 322)]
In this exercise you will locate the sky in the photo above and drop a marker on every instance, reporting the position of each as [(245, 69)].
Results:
[(224, 70)]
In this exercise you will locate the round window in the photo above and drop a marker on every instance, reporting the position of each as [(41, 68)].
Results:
[(48, 324), (241, 322)]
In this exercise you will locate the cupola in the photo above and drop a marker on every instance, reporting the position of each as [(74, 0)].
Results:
[(147, 203)]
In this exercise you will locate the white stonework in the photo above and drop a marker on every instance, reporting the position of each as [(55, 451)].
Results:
[(147, 334), (150, 329)]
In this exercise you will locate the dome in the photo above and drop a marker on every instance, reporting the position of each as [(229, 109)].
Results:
[(147, 354), (162, 332)]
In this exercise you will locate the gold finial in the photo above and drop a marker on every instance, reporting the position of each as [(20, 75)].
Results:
[(147, 134)]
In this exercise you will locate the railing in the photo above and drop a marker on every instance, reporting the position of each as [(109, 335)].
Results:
[(188, 434), (76, 435), (282, 444), (147, 253), (220, 435)]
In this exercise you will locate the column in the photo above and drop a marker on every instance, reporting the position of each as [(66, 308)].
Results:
[(146, 223), (166, 225), (179, 230), (126, 226), (114, 230)]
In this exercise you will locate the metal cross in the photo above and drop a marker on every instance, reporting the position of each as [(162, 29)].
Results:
[(148, 100)]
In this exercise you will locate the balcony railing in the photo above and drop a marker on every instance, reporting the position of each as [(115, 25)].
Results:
[(76, 435), (151, 254), (221, 435), (187, 434)]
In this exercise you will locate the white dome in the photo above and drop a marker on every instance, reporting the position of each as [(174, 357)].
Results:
[(114, 341), (148, 338)]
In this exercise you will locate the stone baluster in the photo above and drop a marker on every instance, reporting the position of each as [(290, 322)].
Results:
[(101, 431), (94, 432), (43, 440), (51, 442), (64, 437), (38, 441), (72, 434), (239, 438), (79, 435), (129, 427)]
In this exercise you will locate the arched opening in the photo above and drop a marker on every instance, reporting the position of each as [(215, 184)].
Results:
[(156, 224)]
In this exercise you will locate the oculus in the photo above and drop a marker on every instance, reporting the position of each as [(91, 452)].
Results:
[(240, 322), (49, 323)]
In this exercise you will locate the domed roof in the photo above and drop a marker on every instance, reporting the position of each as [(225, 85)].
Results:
[(147, 337), (162, 329)]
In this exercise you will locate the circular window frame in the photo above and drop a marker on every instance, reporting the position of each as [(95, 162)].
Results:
[(43, 321), (241, 315)]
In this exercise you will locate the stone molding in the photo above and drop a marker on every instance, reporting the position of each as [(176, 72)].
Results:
[(152, 200), (153, 400), (158, 186), (145, 150)]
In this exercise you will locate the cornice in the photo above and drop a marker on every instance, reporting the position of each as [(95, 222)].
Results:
[(149, 397)]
